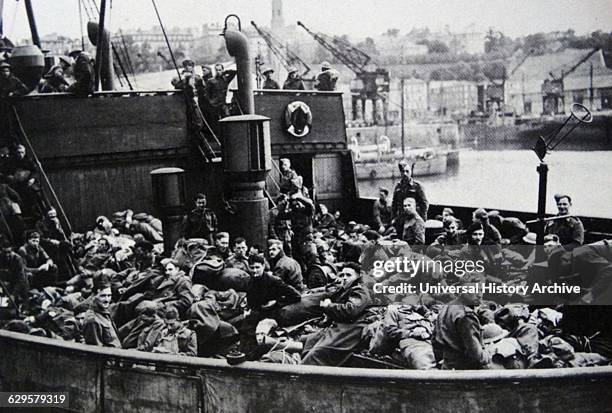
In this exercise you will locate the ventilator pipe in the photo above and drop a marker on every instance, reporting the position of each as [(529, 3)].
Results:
[(238, 47)]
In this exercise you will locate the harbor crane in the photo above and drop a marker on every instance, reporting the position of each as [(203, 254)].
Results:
[(496, 90), (369, 85), (553, 89), (285, 56)]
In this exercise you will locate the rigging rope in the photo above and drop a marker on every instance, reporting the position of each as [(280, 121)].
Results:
[(81, 26), (161, 24)]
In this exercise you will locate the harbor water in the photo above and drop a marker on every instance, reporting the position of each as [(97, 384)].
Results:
[(507, 179)]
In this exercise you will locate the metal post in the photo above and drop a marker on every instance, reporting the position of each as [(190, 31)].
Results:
[(32, 21), (591, 96), (402, 120), (543, 174), (100, 44)]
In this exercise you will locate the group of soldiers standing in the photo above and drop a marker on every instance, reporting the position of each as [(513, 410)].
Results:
[(325, 81)]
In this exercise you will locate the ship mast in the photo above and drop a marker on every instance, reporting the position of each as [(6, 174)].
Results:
[(32, 22), (99, 42)]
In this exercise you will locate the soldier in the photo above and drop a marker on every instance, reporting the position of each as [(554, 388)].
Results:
[(382, 210), (326, 80), (10, 85), (301, 212), (457, 335), (13, 272), (83, 74), (285, 268), (409, 226), (347, 309), (98, 327), (201, 222), (280, 227), (287, 175), (240, 259), (193, 87), (217, 91), (568, 228), (408, 187), (293, 81), (40, 268), (269, 83), (450, 237), (189, 79), (54, 81)]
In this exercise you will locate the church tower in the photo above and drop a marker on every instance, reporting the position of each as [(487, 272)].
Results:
[(278, 21)]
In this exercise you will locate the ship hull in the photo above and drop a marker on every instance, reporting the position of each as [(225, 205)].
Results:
[(99, 379)]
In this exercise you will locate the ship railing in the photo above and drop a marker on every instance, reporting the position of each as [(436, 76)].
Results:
[(99, 378)]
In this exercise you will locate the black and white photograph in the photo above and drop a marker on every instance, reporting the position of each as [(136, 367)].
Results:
[(306, 206)]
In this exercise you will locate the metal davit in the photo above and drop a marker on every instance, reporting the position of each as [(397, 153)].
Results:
[(113, 380)]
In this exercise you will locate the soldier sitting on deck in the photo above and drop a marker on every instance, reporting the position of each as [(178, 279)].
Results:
[(457, 340), (40, 268), (23, 177), (98, 327), (569, 229), (347, 310), (54, 81)]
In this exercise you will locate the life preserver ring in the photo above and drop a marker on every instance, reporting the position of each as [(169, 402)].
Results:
[(298, 119)]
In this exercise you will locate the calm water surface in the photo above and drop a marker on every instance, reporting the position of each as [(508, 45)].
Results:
[(508, 180)]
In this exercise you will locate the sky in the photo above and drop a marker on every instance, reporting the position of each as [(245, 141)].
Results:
[(357, 18)]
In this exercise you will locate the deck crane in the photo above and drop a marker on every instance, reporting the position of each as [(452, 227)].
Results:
[(285, 56), (496, 90), (368, 85), (553, 89)]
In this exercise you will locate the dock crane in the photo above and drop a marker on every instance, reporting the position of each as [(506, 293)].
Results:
[(553, 89), (496, 91), (285, 56), (368, 85)]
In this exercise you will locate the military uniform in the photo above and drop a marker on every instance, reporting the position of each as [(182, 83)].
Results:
[(286, 181), (410, 229), (288, 270), (217, 92), (382, 213), (200, 223), (348, 312), (270, 84), (12, 86), (294, 84), (326, 81), (409, 189), (411, 332), (569, 230), (83, 75), (99, 329), (458, 338)]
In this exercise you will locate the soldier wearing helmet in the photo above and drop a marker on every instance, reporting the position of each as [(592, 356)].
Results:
[(269, 83), (293, 82), (326, 80), (10, 85)]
